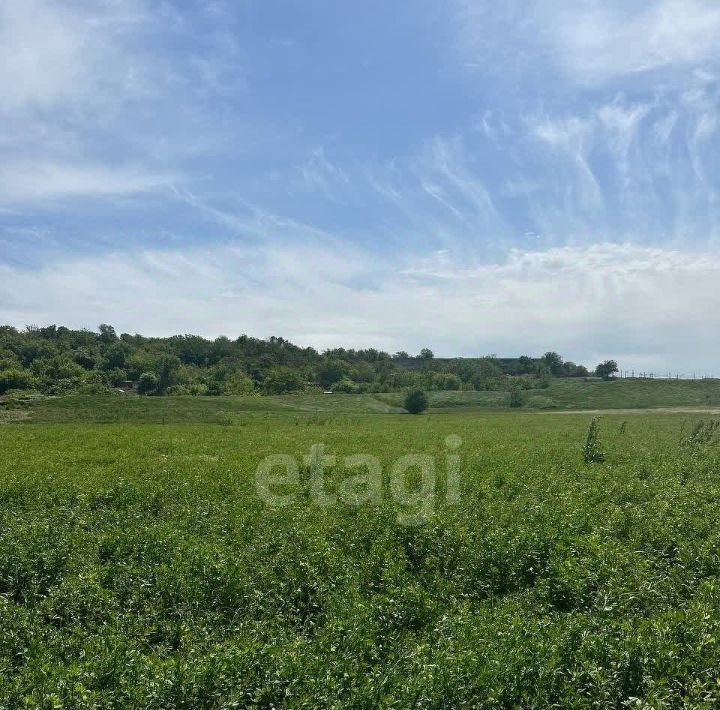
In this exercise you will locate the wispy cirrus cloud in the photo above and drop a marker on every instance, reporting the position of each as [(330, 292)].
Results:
[(21, 182), (620, 169), (319, 174)]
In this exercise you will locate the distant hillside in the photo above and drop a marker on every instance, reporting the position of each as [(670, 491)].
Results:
[(56, 360), (634, 394)]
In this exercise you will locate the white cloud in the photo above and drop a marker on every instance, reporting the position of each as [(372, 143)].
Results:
[(319, 174), (28, 181), (651, 308), (53, 53), (66, 72), (628, 169), (446, 160), (571, 136), (591, 41), (621, 123), (600, 41)]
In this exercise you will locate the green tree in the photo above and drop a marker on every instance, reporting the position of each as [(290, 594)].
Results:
[(416, 402), (426, 354), (526, 365), (606, 369), (445, 381), (115, 356), (107, 334), (148, 383), (138, 362), (51, 371), (167, 369), (362, 372), (239, 383), (332, 371), (554, 362), (84, 358), (282, 379)]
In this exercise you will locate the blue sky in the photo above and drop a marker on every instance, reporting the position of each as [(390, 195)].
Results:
[(470, 176)]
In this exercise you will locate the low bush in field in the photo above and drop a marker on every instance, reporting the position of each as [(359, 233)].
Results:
[(416, 402)]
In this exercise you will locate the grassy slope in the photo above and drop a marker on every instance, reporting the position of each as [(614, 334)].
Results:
[(628, 394), (561, 394), (211, 410), (595, 394)]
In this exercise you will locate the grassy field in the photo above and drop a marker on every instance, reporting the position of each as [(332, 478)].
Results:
[(210, 410), (593, 394), (141, 568), (561, 395)]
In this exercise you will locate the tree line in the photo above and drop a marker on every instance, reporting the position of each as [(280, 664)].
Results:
[(57, 360)]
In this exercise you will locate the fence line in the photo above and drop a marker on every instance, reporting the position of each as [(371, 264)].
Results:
[(637, 375)]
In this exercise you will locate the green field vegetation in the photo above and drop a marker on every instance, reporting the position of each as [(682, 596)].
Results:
[(140, 569)]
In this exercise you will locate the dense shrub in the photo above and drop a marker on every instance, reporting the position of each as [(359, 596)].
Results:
[(516, 398), (416, 402), (15, 379), (148, 383), (281, 380), (346, 386)]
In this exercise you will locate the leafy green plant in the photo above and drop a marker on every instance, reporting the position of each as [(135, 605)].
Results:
[(592, 451), (702, 433)]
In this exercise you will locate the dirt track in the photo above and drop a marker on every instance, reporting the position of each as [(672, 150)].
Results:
[(654, 410)]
